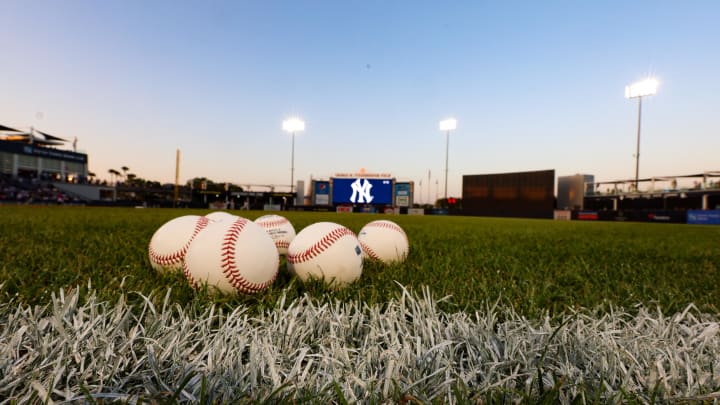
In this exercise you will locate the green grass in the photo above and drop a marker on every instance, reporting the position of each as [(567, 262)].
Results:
[(557, 312), (535, 266)]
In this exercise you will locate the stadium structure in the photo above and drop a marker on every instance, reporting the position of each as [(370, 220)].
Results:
[(34, 153), (34, 163), (39, 167), (521, 194), (693, 198), (360, 192)]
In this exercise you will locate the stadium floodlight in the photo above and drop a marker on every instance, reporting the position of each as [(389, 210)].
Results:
[(293, 125), (447, 125), (647, 87)]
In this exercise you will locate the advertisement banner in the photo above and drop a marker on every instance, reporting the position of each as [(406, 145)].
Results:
[(402, 194), (587, 216), (321, 192), (402, 189), (39, 151), (362, 191), (703, 217)]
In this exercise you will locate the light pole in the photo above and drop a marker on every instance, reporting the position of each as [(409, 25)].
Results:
[(293, 125), (447, 126), (647, 87)]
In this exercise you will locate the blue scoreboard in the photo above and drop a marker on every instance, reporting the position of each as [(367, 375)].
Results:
[(362, 191)]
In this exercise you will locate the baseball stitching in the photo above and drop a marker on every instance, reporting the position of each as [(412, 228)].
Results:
[(320, 246), (188, 275), (269, 224), (177, 256), (368, 250), (282, 244), (229, 267), (388, 225)]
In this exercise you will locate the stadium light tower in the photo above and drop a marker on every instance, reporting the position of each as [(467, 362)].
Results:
[(447, 126), (647, 87), (293, 125)]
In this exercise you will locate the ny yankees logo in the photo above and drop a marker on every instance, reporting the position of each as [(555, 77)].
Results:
[(361, 191)]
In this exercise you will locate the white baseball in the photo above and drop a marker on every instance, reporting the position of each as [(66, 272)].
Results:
[(326, 251), (170, 242), (232, 256), (385, 241), (279, 229), (216, 216)]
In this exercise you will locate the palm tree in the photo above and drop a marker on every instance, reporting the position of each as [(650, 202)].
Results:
[(114, 174), (125, 170)]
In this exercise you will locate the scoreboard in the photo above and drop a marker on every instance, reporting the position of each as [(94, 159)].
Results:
[(520, 194), (361, 190)]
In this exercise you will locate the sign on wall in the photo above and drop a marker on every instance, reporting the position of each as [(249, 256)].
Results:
[(322, 193), (362, 191), (703, 217), (402, 194), (39, 151)]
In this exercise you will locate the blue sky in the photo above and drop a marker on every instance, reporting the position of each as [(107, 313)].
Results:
[(533, 85)]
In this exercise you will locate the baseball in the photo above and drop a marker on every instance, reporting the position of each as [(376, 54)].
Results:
[(326, 251), (385, 241), (170, 242), (232, 256), (216, 216), (279, 229)]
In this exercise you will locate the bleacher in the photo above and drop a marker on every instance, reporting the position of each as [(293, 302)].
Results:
[(32, 190)]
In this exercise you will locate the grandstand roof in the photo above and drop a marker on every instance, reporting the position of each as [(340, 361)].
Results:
[(4, 128), (33, 136), (711, 173)]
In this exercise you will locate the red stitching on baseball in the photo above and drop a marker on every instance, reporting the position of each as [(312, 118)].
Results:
[(229, 267), (320, 246), (269, 224), (369, 251), (189, 277), (388, 225), (176, 257), (281, 243)]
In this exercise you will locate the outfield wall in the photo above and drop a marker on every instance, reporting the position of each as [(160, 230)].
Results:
[(695, 217), (521, 194)]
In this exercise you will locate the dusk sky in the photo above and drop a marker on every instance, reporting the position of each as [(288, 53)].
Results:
[(533, 85)]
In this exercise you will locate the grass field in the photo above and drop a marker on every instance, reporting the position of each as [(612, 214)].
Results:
[(535, 266), (489, 310)]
